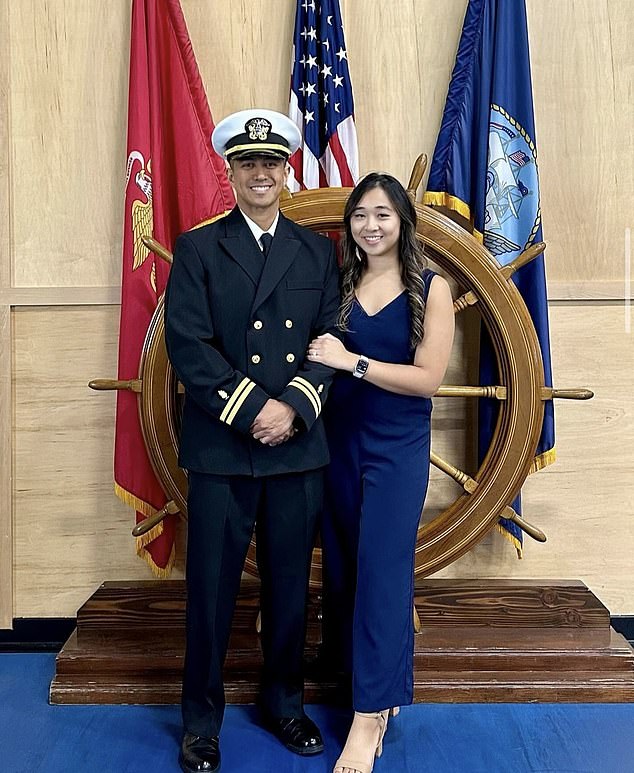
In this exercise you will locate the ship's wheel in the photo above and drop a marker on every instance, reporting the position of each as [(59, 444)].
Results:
[(484, 496)]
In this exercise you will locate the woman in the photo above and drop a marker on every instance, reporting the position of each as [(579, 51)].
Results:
[(398, 323)]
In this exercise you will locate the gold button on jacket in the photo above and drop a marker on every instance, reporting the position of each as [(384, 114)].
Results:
[(290, 358), (257, 324), (255, 359)]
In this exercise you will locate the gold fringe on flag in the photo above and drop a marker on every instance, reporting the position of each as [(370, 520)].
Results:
[(543, 460), (511, 538), (158, 571), (440, 199), (144, 540), (132, 501)]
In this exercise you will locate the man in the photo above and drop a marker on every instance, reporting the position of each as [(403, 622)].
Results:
[(246, 295)]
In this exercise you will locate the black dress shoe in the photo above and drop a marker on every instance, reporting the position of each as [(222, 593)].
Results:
[(300, 735), (199, 755)]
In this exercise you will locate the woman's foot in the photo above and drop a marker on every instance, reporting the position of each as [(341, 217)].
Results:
[(364, 743)]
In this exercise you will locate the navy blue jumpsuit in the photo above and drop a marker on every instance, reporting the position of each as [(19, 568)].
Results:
[(376, 483)]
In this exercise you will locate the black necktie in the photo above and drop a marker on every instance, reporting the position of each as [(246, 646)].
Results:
[(265, 241)]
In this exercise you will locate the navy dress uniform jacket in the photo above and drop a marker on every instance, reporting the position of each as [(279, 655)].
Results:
[(237, 327)]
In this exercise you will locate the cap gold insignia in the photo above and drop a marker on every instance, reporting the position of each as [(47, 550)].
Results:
[(258, 129)]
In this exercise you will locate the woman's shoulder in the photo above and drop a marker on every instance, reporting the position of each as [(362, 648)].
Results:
[(427, 277), (437, 288)]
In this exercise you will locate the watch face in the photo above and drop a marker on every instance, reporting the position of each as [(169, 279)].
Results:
[(361, 367)]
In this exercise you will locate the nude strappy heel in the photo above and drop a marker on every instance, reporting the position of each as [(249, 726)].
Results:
[(357, 765)]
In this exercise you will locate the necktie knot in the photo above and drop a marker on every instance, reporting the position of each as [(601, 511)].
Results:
[(265, 241)]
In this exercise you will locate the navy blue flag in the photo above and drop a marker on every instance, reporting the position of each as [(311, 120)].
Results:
[(485, 168)]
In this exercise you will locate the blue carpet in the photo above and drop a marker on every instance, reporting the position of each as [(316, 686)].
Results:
[(434, 738)]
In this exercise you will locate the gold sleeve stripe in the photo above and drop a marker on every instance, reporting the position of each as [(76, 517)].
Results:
[(232, 400), (310, 388), (239, 401), (316, 405)]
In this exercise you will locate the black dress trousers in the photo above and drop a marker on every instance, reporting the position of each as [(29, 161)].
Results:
[(222, 511)]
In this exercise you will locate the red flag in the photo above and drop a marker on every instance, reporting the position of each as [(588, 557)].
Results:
[(174, 180)]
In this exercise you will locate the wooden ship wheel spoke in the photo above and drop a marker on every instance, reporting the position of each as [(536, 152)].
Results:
[(486, 495)]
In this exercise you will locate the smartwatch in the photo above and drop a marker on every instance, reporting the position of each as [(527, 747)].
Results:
[(361, 368)]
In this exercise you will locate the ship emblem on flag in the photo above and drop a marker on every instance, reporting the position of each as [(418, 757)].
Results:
[(485, 169), (512, 211)]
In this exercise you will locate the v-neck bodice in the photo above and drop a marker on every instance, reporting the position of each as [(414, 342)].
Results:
[(384, 336), (376, 313)]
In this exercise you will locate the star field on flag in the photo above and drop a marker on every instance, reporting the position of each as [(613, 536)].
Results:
[(321, 102)]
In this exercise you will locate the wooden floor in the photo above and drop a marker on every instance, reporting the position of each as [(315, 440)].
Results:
[(480, 642)]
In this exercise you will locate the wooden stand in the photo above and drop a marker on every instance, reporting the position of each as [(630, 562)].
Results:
[(481, 641)]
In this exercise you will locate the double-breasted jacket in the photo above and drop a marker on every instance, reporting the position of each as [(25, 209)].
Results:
[(237, 328)]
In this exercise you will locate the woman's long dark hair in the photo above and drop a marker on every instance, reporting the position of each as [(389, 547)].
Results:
[(410, 253)]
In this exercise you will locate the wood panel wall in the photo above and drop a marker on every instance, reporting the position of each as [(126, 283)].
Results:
[(63, 94), (6, 499)]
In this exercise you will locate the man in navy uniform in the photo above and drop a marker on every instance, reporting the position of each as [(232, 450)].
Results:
[(246, 295)]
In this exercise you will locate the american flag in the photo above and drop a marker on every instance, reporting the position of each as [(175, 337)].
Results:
[(520, 158), (321, 102)]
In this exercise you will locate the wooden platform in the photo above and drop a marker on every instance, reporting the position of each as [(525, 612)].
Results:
[(481, 641)]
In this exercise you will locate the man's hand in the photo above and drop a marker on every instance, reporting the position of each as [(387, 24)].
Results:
[(274, 424)]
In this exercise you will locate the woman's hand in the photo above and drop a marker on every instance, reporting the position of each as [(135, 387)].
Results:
[(330, 351)]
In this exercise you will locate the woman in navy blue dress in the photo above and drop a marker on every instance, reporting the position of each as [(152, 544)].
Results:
[(398, 323)]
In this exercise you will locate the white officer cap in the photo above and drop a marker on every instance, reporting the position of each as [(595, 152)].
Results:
[(256, 132)]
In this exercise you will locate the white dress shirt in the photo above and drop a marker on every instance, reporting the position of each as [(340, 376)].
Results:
[(257, 231)]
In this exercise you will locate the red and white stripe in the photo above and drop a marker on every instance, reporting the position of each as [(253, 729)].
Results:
[(338, 167)]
